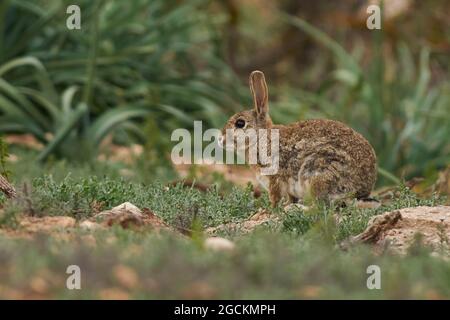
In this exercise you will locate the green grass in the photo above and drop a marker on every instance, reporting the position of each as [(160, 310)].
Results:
[(264, 265), (296, 257), (71, 196), (76, 194)]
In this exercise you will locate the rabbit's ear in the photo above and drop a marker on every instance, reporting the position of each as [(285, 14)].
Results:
[(260, 93)]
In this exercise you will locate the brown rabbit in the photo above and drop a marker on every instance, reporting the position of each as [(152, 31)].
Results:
[(324, 159)]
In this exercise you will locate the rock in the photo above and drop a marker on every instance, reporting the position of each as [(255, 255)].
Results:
[(127, 215), (90, 225), (219, 244), (124, 208), (150, 218), (126, 220), (398, 229)]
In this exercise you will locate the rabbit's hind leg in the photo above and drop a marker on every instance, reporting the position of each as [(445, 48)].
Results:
[(279, 192), (275, 191), (326, 187)]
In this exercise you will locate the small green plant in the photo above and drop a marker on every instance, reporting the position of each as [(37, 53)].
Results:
[(8, 217), (77, 196), (350, 220)]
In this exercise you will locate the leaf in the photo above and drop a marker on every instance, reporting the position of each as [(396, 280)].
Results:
[(111, 118), (64, 131), (321, 37)]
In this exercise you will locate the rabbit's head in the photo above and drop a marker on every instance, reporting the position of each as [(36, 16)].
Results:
[(253, 119)]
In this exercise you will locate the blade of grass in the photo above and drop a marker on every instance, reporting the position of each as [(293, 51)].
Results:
[(64, 131)]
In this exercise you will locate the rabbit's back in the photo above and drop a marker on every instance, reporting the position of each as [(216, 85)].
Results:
[(335, 157)]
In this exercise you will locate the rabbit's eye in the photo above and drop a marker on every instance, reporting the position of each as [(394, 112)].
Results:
[(240, 123)]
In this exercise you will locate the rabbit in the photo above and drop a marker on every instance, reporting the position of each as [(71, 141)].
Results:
[(318, 159)]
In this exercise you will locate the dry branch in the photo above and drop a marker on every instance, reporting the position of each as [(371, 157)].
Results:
[(7, 188)]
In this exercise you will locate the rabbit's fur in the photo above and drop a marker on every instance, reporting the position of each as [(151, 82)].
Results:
[(322, 159)]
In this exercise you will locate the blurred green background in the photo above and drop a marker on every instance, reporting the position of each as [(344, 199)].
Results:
[(139, 69), (87, 116)]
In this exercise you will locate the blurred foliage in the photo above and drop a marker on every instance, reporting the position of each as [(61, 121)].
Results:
[(141, 68), (130, 60), (4, 154), (293, 258), (138, 69), (406, 120), (122, 264)]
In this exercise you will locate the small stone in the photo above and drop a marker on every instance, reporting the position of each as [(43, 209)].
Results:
[(39, 285), (126, 276), (124, 208), (89, 225), (125, 215), (219, 244)]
